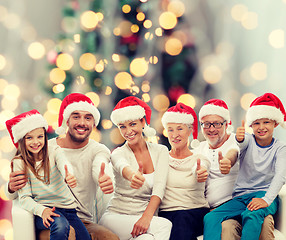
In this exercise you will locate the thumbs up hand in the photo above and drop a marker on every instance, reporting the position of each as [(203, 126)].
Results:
[(201, 171), (240, 132), (137, 180), (70, 179), (104, 181), (224, 164)]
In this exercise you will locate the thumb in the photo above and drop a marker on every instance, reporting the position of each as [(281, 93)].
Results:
[(242, 123), (53, 209), (220, 157), (66, 170), (198, 164), (102, 167), (140, 167)]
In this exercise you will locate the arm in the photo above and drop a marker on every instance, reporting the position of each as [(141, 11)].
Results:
[(142, 225)]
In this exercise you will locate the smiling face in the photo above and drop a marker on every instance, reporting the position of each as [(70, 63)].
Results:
[(80, 125), (178, 135), (35, 141), (131, 131), (214, 136), (263, 130)]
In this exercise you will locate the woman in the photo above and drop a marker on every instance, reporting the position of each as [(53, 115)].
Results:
[(140, 170), (184, 203)]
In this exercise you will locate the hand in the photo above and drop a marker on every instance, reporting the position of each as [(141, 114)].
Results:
[(17, 180), (70, 179), (240, 132), (105, 182), (224, 164), (47, 216), (141, 226), (201, 171), (256, 203), (137, 180)]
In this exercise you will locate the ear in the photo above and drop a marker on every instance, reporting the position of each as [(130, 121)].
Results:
[(143, 121), (275, 124)]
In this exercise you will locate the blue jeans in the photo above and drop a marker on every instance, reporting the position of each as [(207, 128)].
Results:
[(187, 224), (237, 207), (59, 229)]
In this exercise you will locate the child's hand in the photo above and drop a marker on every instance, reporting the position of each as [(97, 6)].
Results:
[(137, 180), (256, 203), (47, 216), (240, 132), (201, 171), (70, 179), (224, 164), (105, 182)]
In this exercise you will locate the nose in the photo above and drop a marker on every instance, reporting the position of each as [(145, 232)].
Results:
[(82, 121)]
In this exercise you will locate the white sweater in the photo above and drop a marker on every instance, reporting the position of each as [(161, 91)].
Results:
[(127, 200), (183, 192)]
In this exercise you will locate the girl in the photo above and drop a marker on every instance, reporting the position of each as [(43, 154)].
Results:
[(45, 194), (140, 170), (184, 202)]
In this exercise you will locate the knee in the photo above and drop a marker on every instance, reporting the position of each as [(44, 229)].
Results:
[(208, 217), (60, 226), (231, 227)]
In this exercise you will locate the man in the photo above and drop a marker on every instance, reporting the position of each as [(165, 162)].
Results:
[(79, 116), (221, 149)]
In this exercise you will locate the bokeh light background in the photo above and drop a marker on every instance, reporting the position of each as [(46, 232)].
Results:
[(239, 47)]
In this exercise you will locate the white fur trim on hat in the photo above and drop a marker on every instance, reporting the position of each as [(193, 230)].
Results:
[(129, 113), (211, 109), (177, 117), (28, 124), (264, 111)]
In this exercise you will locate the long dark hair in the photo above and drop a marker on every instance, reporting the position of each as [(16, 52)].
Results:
[(29, 161)]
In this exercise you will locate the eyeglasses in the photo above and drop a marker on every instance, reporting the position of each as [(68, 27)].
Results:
[(216, 125)]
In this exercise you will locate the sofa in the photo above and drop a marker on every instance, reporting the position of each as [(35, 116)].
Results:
[(23, 221)]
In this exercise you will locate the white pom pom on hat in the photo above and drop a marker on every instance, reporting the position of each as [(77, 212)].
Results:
[(133, 108)]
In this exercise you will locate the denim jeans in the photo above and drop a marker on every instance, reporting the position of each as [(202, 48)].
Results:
[(59, 229)]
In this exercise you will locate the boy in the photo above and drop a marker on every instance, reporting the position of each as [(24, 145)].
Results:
[(262, 171)]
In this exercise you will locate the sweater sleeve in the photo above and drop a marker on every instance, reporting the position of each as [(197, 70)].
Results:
[(25, 195), (119, 160), (161, 172), (279, 178), (61, 160)]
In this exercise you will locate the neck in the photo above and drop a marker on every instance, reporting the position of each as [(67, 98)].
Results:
[(140, 146), (264, 143), (180, 153), (67, 142)]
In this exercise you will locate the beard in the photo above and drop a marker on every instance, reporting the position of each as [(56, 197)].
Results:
[(81, 139)]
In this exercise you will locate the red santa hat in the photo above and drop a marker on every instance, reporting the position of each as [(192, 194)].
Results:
[(216, 107), (132, 108), (20, 125), (75, 102), (181, 113), (266, 106)]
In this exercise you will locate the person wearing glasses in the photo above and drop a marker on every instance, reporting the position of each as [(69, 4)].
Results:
[(222, 151)]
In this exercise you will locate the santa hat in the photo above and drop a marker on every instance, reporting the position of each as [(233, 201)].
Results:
[(216, 107), (75, 102), (20, 125), (132, 108), (181, 113), (266, 106)]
